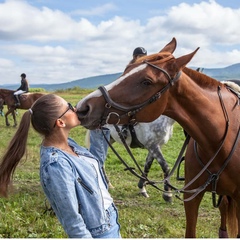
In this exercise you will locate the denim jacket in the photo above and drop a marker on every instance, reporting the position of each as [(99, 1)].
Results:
[(71, 186)]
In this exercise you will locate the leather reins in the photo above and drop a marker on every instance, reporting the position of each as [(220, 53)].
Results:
[(213, 178), (131, 111)]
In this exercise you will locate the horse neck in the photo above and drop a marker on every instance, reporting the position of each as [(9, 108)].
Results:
[(195, 105)]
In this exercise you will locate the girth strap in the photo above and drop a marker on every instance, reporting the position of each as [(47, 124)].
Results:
[(135, 143)]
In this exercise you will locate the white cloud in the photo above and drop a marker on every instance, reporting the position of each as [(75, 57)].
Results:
[(216, 23), (52, 46)]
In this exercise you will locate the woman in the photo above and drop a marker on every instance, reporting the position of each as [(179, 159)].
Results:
[(71, 176)]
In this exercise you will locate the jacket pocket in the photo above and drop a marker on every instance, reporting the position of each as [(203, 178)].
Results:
[(84, 185)]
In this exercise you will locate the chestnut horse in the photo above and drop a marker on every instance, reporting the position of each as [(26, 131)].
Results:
[(207, 109), (26, 101)]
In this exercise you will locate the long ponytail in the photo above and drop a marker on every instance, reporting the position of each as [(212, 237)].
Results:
[(42, 116), (15, 151)]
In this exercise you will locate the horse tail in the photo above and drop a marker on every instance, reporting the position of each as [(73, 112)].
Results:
[(232, 223), (87, 139), (15, 151)]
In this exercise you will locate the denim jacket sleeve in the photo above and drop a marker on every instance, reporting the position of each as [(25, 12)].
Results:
[(59, 184), (98, 144)]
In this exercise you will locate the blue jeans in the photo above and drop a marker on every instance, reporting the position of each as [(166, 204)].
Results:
[(114, 231)]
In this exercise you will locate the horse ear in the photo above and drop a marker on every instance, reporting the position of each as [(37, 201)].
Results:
[(184, 60), (170, 47)]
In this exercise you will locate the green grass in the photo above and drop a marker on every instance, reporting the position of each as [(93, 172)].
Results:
[(24, 213)]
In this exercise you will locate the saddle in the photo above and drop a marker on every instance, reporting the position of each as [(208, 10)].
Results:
[(233, 87), (23, 96)]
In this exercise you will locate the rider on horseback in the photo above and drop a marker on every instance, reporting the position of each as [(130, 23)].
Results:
[(22, 89)]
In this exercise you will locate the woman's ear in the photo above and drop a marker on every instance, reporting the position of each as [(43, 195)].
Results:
[(60, 123)]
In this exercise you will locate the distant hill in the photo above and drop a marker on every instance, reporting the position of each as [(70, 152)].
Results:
[(230, 72), (226, 73), (85, 83)]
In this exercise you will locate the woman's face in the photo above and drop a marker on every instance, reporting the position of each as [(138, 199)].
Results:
[(68, 116)]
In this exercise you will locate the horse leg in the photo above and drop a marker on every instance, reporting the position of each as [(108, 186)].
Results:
[(230, 217), (223, 208), (6, 118), (14, 118), (142, 183), (233, 220), (191, 212), (12, 111), (1, 110), (237, 211), (157, 154)]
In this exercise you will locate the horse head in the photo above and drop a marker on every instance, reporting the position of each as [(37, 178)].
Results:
[(140, 94)]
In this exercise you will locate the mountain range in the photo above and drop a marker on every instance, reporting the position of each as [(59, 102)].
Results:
[(231, 72)]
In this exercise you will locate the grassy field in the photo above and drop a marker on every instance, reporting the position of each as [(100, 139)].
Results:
[(24, 214)]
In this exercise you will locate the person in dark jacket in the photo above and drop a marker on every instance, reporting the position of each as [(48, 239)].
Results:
[(22, 89)]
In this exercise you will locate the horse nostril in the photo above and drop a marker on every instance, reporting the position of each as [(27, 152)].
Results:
[(82, 112)]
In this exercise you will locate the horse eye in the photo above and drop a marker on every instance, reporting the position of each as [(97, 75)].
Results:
[(147, 82)]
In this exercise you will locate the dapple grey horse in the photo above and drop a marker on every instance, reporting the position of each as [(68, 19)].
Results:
[(151, 136)]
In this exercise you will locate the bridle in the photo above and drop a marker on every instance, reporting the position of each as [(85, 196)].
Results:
[(131, 111)]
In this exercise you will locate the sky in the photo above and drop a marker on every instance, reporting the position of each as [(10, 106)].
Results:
[(56, 41)]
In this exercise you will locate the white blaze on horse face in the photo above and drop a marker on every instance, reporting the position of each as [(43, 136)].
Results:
[(122, 78), (97, 93)]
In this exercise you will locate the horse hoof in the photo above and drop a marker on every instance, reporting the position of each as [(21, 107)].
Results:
[(222, 233), (167, 197)]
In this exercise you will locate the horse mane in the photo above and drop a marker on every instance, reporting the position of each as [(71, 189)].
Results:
[(203, 80)]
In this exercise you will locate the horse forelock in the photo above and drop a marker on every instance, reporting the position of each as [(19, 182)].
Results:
[(155, 58), (134, 68)]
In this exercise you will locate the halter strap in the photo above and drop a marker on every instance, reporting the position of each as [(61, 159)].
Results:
[(131, 111)]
